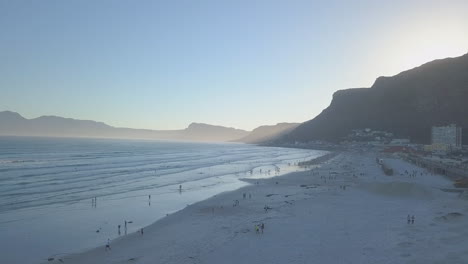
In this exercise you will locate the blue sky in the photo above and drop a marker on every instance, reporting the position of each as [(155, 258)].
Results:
[(165, 64)]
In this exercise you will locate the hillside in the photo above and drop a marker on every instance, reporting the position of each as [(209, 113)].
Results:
[(264, 134), (407, 104)]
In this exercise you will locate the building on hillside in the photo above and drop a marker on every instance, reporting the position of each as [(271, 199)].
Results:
[(400, 141), (446, 138), (372, 137)]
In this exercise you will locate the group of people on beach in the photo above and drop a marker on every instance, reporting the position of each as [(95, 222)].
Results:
[(259, 228), (413, 173), (410, 219), (125, 226), (108, 247), (244, 196), (330, 177), (261, 171)]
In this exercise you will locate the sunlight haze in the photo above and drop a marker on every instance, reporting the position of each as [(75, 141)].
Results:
[(242, 64), (233, 131)]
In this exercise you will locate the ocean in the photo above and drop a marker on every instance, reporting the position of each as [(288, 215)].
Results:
[(61, 196)]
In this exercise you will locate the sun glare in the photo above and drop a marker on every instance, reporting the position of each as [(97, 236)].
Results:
[(430, 52), (424, 44)]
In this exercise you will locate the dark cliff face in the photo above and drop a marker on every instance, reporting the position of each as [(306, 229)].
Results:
[(407, 105)]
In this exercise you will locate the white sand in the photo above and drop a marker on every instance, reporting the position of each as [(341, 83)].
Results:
[(316, 223)]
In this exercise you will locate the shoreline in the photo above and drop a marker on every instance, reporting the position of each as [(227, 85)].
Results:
[(58, 258), (216, 231), (58, 215)]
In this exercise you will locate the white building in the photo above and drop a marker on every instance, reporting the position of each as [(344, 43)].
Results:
[(448, 136)]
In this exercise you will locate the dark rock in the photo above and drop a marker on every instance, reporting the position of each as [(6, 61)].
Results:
[(407, 105)]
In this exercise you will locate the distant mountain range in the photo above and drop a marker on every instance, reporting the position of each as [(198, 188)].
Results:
[(407, 104), (13, 124)]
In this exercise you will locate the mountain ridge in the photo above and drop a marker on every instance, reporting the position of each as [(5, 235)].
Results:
[(407, 104)]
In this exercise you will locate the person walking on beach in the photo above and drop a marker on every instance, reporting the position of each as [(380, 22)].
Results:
[(141, 231), (108, 245), (262, 227), (257, 231), (409, 219), (412, 219), (125, 224)]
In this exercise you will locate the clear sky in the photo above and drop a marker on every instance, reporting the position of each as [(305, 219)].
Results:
[(165, 64)]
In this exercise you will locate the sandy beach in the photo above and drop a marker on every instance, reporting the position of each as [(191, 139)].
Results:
[(345, 210)]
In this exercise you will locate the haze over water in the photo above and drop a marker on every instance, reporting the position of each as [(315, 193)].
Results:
[(47, 187)]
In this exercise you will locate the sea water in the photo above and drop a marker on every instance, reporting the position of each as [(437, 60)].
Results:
[(61, 196)]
